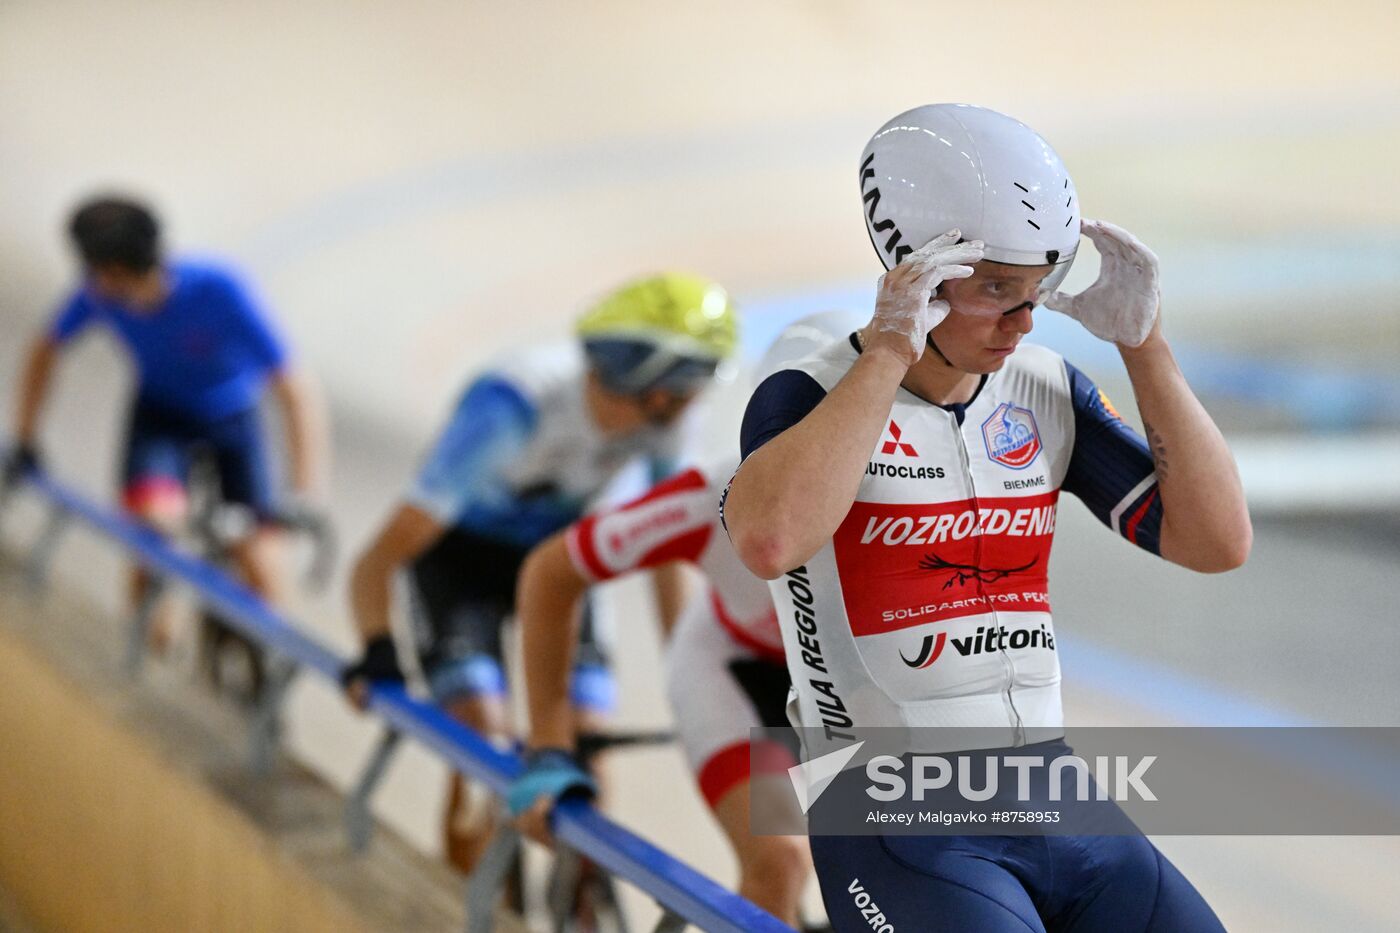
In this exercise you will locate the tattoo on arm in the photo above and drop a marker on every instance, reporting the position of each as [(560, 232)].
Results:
[(1158, 448)]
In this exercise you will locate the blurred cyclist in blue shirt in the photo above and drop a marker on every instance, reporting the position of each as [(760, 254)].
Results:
[(204, 351)]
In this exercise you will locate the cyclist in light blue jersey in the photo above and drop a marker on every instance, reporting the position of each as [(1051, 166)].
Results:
[(534, 437)]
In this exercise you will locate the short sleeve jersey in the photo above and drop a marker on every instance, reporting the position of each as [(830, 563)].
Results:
[(204, 353), (520, 457), (678, 519), (929, 605)]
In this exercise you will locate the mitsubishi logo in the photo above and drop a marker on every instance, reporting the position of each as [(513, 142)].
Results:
[(894, 442)]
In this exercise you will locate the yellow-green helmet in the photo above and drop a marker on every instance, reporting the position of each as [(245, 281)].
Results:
[(668, 331)]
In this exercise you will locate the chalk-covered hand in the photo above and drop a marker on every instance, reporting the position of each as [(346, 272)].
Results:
[(1121, 306), (904, 313)]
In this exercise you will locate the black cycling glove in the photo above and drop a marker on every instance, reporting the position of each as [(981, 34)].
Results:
[(380, 662)]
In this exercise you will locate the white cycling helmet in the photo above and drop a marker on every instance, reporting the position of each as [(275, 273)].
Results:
[(943, 167), (805, 336)]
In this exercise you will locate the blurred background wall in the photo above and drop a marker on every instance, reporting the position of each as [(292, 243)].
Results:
[(415, 186)]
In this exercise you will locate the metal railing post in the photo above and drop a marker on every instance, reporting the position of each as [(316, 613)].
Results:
[(563, 887), (359, 822), (489, 878), (139, 628), (670, 922), (266, 732), (41, 555)]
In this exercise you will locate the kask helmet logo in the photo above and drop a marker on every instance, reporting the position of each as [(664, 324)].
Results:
[(1011, 436), (892, 246), (894, 443)]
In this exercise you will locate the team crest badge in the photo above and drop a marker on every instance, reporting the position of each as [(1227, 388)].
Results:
[(1011, 436)]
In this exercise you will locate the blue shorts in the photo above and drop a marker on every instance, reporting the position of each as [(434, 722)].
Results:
[(161, 445), (1006, 884), (592, 688), (464, 590)]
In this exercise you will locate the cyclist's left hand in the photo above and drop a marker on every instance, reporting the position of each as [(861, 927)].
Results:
[(550, 774), (380, 662), (1122, 304)]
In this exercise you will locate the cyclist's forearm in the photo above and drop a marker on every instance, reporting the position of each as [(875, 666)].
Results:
[(791, 495), (1205, 520), (546, 596), (371, 595), (33, 389), (305, 425), (409, 532)]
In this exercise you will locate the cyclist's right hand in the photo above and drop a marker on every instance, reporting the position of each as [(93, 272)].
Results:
[(380, 662), (904, 311), (550, 774), (20, 461)]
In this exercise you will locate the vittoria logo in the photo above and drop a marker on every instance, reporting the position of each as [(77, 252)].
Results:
[(929, 651), (895, 444), (986, 639), (1011, 436)]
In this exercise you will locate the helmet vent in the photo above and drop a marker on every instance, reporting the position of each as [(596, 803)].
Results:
[(1022, 187), (1028, 204), (1033, 223), (1071, 217)]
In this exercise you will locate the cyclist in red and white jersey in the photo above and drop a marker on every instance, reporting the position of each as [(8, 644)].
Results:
[(900, 490), (725, 672)]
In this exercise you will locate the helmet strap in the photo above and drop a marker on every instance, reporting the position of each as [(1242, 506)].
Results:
[(928, 340)]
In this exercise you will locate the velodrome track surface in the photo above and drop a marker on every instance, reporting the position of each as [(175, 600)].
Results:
[(415, 191)]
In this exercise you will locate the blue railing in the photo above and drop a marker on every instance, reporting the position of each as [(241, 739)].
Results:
[(682, 892)]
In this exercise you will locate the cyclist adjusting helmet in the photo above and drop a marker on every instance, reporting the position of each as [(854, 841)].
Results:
[(900, 490)]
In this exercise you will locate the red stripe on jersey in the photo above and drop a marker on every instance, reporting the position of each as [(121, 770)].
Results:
[(154, 492), (580, 543), (687, 547), (906, 564), (1130, 530), (734, 764), (743, 636), (598, 542)]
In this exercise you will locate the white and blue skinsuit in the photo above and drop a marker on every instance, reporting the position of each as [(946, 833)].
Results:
[(928, 609), (518, 460)]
